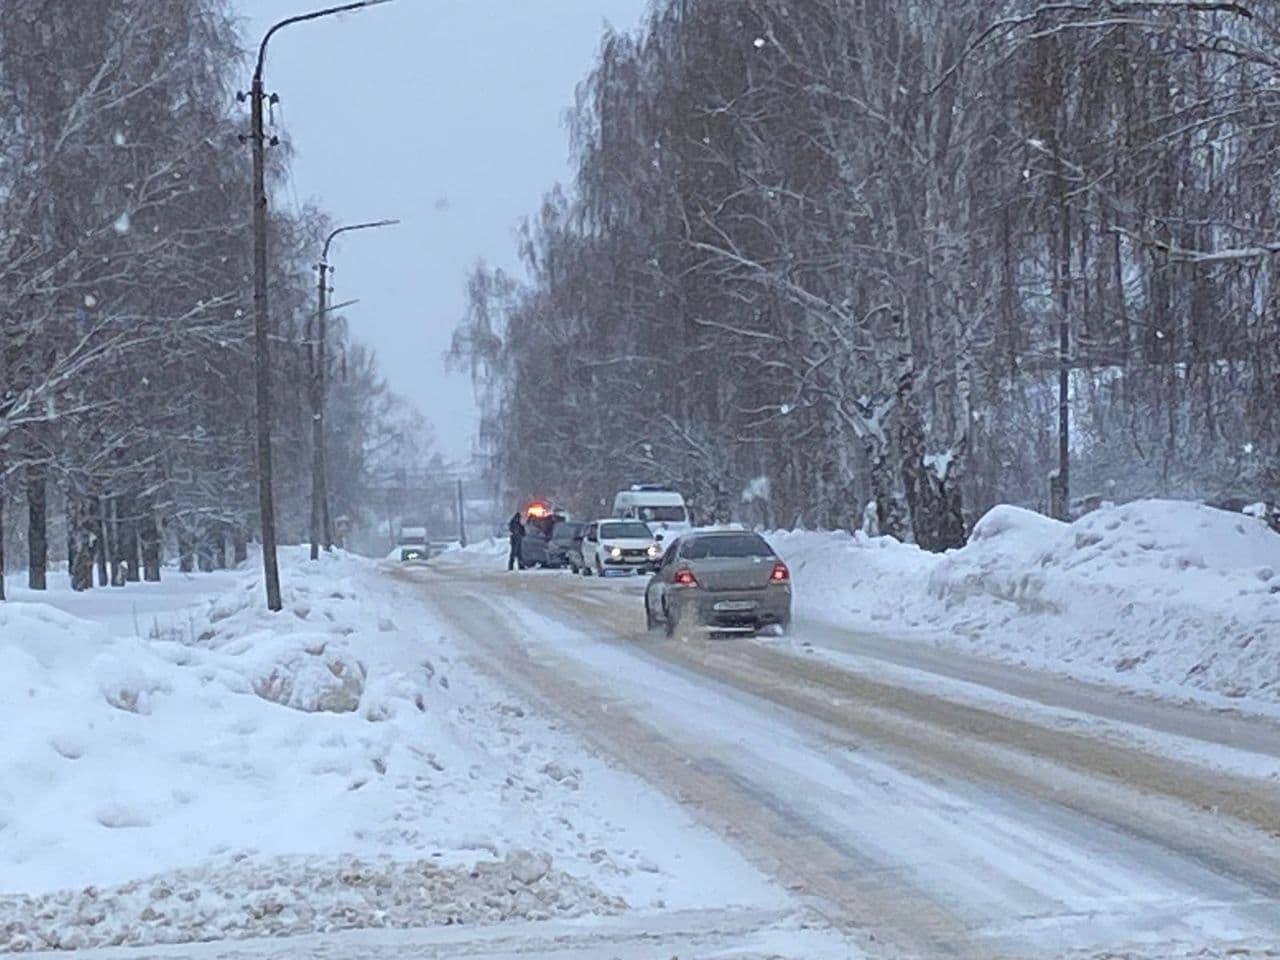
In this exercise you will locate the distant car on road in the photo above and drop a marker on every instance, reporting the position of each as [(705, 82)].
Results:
[(539, 550), (559, 547), (533, 548), (624, 546), (721, 580), (413, 545), (574, 550)]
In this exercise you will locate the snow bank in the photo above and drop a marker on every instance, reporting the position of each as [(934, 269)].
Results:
[(856, 578), (247, 898), (228, 742), (1153, 593), (497, 548)]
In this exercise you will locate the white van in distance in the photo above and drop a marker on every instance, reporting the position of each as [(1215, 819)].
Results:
[(658, 506)]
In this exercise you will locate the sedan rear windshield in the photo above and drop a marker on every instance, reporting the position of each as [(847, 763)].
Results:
[(627, 531), (725, 545)]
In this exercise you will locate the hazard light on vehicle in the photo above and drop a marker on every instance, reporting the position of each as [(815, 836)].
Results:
[(780, 573), (684, 578)]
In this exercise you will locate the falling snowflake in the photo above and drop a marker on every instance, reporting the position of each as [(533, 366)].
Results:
[(758, 42), (785, 409), (123, 223), (90, 301), (119, 139)]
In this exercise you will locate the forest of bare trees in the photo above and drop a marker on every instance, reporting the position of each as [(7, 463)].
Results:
[(838, 253), (126, 389)]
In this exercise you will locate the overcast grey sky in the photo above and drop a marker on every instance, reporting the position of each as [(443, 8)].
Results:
[(447, 114)]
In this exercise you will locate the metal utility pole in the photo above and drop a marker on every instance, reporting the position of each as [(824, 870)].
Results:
[(261, 318), (262, 340), (321, 524)]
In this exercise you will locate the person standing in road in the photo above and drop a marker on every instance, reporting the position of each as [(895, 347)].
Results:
[(517, 538)]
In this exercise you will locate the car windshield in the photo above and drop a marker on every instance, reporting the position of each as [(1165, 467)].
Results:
[(566, 531), (662, 514), (725, 545), (625, 530)]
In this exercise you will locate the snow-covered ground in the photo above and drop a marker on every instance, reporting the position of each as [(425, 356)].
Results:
[(188, 767), (1165, 596), (175, 773)]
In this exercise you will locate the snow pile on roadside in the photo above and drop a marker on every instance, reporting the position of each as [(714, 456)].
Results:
[(289, 897), (1157, 592), (856, 578), (496, 547), (328, 730), (1178, 592)]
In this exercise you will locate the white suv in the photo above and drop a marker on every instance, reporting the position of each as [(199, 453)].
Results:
[(623, 545)]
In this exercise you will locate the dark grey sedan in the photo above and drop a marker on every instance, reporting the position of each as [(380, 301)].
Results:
[(723, 580)]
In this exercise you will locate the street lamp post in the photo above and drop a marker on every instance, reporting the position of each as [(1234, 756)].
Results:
[(321, 525), (261, 321)]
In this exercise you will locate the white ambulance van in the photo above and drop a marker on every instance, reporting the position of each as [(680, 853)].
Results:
[(660, 507)]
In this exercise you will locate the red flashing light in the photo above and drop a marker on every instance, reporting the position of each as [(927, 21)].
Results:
[(537, 510), (780, 573), (684, 578)]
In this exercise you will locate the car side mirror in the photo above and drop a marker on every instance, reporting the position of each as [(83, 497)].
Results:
[(659, 536)]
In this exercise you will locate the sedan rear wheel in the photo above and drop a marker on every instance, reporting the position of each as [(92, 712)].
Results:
[(650, 621), (669, 621)]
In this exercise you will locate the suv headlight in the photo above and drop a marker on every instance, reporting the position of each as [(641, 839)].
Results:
[(655, 551), (614, 552)]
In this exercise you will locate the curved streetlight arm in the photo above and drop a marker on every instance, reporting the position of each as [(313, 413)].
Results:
[(301, 18), (324, 257)]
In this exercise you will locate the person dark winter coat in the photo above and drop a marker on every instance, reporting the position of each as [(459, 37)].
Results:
[(517, 538)]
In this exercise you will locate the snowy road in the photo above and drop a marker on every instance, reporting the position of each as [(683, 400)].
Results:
[(930, 805)]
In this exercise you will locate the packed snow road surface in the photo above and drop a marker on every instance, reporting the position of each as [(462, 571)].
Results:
[(929, 807)]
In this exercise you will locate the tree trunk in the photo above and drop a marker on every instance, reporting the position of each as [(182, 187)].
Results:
[(81, 524), (117, 545), (239, 545), (204, 549), (37, 527), (71, 537), (934, 499), (131, 542), (891, 519), (100, 546), (2, 496), (186, 549), (149, 537)]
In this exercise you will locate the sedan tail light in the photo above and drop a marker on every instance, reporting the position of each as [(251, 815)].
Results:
[(684, 578), (780, 573)]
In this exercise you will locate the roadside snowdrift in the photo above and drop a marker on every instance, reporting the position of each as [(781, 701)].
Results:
[(314, 769), (1154, 593)]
